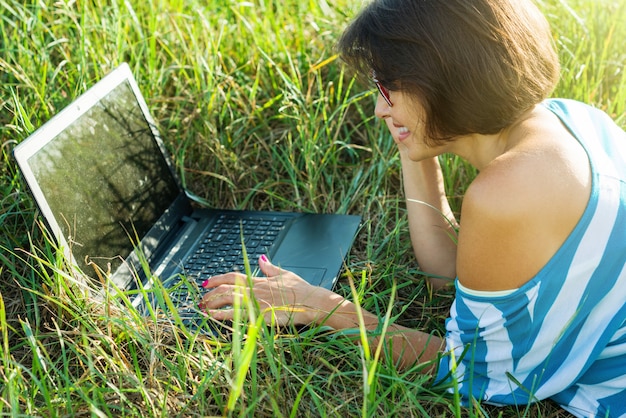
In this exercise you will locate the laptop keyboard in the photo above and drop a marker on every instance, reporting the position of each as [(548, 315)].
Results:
[(221, 252)]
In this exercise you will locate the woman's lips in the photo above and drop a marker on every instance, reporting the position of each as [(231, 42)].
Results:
[(403, 133)]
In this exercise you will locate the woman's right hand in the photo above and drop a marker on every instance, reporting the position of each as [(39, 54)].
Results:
[(284, 297)]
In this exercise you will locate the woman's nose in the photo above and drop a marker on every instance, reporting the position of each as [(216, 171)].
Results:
[(382, 108)]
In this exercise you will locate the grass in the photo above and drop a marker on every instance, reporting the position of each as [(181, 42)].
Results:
[(258, 113)]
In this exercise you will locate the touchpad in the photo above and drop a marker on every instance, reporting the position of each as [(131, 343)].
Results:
[(310, 274)]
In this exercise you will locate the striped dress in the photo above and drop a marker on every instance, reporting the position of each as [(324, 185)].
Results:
[(562, 335)]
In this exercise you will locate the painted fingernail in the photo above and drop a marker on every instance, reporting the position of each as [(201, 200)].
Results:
[(205, 283), (264, 258)]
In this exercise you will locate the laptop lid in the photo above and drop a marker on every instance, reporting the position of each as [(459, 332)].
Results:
[(76, 166)]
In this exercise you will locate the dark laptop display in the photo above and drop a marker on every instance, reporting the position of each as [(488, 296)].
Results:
[(106, 179), (108, 191)]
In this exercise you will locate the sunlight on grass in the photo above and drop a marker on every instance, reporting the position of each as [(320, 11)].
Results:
[(258, 112)]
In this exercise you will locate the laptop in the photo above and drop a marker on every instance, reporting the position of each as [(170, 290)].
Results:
[(109, 194)]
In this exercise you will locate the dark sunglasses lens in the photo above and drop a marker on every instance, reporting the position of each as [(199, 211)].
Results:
[(384, 92)]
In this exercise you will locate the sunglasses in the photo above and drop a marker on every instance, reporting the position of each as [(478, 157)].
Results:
[(382, 90)]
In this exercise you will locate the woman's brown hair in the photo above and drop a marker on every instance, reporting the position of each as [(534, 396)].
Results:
[(475, 65)]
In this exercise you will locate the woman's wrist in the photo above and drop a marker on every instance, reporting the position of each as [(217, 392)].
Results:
[(339, 313), (421, 176), (319, 306)]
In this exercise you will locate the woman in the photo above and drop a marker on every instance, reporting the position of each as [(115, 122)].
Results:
[(540, 308)]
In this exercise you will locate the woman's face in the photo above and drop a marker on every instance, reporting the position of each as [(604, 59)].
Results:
[(405, 120)]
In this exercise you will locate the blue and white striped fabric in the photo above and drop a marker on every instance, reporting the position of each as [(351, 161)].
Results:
[(563, 334)]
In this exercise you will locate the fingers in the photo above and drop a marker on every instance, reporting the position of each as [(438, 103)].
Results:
[(223, 289), (219, 297), (221, 314), (233, 278), (268, 268)]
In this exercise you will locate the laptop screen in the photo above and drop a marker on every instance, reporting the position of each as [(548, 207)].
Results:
[(105, 179)]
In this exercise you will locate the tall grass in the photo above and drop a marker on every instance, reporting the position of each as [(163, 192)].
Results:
[(258, 113)]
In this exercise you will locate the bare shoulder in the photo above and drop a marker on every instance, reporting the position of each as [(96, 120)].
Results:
[(520, 210)]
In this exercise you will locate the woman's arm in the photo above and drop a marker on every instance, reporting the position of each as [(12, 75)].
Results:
[(285, 298), (432, 224), (408, 346)]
